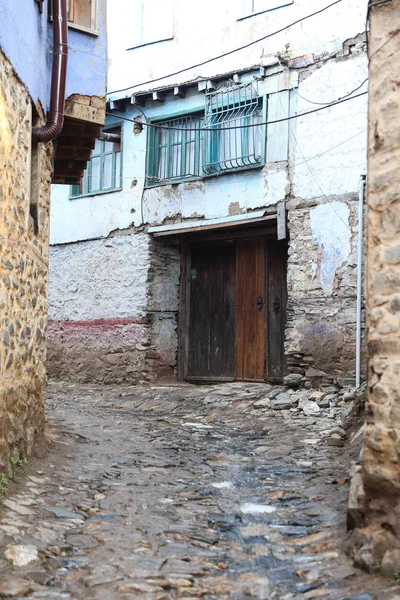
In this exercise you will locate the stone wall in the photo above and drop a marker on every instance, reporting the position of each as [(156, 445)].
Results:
[(381, 452), (322, 279), (23, 273), (113, 309)]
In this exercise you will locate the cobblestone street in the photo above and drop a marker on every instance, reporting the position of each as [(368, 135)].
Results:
[(182, 492)]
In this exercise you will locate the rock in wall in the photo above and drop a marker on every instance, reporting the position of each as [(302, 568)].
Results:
[(23, 272)]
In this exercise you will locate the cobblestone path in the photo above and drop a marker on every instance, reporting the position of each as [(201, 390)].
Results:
[(180, 492)]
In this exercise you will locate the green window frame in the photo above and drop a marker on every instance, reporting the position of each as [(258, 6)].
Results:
[(104, 170), (174, 153), (181, 152)]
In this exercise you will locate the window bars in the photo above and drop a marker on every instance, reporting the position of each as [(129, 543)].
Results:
[(175, 153), (226, 148), (229, 137)]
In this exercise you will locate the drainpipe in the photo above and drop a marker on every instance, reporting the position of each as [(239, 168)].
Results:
[(361, 196), (53, 127)]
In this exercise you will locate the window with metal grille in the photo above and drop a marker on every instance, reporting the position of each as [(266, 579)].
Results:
[(231, 136), (234, 137), (104, 170), (174, 150)]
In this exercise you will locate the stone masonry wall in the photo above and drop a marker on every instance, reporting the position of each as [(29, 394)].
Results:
[(23, 275), (380, 540), (113, 309), (322, 279)]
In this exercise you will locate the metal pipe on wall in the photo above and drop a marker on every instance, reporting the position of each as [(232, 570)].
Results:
[(361, 195), (54, 125), (110, 137)]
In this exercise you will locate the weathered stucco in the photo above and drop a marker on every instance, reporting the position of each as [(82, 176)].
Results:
[(377, 543), (322, 279), (23, 275), (113, 309), (313, 162)]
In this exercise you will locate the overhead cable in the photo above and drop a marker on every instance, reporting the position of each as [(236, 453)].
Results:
[(209, 60), (247, 125)]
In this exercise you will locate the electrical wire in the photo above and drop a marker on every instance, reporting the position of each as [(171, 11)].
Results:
[(247, 125), (341, 98), (205, 62), (133, 177), (305, 161)]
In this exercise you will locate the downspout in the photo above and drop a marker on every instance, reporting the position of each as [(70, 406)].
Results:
[(361, 195), (54, 125)]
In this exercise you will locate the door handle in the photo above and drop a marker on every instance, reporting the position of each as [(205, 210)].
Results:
[(260, 303)]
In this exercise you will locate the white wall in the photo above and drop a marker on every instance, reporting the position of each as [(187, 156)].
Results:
[(327, 156), (211, 28), (84, 278)]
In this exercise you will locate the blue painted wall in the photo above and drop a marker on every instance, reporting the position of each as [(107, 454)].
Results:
[(26, 40)]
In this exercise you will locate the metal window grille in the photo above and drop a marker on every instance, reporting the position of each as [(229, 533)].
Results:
[(104, 171), (226, 148), (175, 153)]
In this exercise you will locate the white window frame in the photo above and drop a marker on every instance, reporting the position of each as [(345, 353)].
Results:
[(252, 8), (143, 16)]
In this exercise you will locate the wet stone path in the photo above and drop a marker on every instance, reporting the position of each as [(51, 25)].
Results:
[(181, 492)]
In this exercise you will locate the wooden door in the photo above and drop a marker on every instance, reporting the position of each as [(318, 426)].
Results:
[(276, 308), (250, 310), (211, 344)]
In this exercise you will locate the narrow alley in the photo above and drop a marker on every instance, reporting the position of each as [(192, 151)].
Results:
[(182, 492)]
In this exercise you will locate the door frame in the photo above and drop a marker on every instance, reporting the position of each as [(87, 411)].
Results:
[(187, 242)]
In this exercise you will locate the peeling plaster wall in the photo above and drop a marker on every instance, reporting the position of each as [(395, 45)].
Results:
[(219, 29), (113, 310), (322, 279), (332, 235), (318, 176)]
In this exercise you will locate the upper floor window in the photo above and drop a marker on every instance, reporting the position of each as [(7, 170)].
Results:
[(82, 14), (175, 152), (151, 21), (104, 170), (229, 136), (254, 7)]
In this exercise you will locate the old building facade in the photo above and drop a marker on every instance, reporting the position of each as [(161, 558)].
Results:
[(27, 168), (216, 237)]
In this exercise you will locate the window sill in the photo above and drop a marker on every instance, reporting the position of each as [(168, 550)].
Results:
[(82, 29), (167, 39), (91, 194), (261, 12), (204, 177)]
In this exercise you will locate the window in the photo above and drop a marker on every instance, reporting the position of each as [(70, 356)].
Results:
[(235, 136), (151, 21), (82, 14), (229, 136), (104, 170), (175, 153), (255, 7)]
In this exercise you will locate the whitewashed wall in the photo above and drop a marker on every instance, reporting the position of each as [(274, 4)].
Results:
[(326, 152)]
